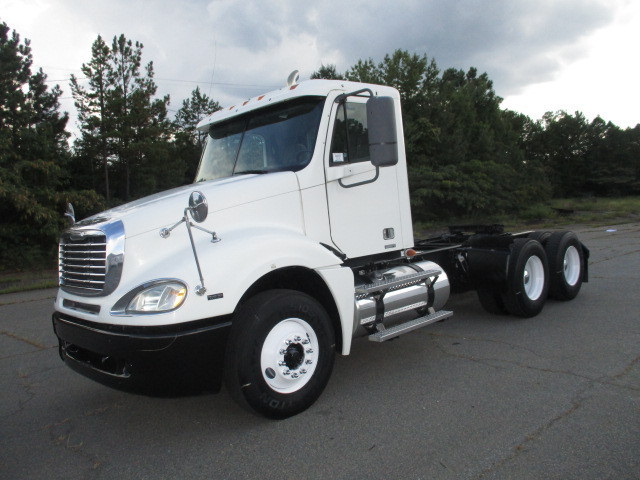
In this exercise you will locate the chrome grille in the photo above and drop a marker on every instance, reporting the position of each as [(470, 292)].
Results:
[(90, 261), (83, 262)]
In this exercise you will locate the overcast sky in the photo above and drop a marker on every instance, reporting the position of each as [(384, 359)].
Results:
[(542, 55)]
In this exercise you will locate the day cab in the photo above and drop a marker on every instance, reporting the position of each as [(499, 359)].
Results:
[(295, 238)]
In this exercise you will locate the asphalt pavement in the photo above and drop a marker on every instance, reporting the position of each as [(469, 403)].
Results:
[(475, 397)]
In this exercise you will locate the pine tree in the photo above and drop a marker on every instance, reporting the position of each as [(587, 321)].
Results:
[(327, 72), (124, 127), (95, 120), (33, 152), (189, 142)]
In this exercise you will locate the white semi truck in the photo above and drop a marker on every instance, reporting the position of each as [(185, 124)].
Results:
[(295, 238)]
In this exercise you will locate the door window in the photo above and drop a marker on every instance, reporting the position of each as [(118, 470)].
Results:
[(350, 142)]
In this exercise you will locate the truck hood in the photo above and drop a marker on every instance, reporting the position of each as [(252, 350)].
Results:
[(166, 208)]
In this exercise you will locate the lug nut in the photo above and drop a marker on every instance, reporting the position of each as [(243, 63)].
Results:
[(303, 371), (294, 375), (286, 372), (282, 363), (305, 342), (282, 351), (297, 339), (308, 362), (309, 350)]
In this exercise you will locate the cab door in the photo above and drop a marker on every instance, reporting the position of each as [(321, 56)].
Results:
[(364, 205)]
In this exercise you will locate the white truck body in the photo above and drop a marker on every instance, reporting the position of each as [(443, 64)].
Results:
[(328, 224)]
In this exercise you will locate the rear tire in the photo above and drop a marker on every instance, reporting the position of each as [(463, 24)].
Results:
[(280, 353), (540, 235), (527, 278), (566, 265)]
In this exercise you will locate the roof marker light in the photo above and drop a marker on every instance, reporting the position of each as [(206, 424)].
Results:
[(292, 80)]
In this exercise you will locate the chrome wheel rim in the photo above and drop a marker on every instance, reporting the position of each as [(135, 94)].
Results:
[(533, 277), (571, 265), (289, 355)]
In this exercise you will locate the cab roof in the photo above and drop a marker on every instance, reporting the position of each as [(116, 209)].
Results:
[(320, 88)]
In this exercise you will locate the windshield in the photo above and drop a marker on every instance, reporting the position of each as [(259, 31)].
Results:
[(269, 140)]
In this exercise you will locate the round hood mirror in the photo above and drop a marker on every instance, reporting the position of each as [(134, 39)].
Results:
[(198, 207)]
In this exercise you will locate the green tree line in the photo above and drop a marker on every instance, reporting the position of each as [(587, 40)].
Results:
[(466, 155), (469, 157), (127, 147)]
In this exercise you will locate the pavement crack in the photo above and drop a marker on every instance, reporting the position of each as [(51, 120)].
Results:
[(22, 339), (63, 434), (72, 443), (28, 389), (606, 259), (615, 379), (491, 361), (16, 355), (522, 446), (488, 340), (482, 361)]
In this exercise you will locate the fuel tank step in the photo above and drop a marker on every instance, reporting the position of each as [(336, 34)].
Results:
[(396, 283), (392, 332)]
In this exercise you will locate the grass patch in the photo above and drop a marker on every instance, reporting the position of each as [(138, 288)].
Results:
[(12, 282), (600, 210), (554, 214), (27, 287)]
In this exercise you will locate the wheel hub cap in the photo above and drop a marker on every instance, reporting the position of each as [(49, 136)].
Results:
[(294, 356), (533, 277), (571, 265), (289, 355)]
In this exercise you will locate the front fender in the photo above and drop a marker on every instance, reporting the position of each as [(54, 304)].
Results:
[(245, 255)]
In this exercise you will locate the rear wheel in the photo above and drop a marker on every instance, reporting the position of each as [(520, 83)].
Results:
[(566, 265), (280, 353), (527, 278), (540, 235)]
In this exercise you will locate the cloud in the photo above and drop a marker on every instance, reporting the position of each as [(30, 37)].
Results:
[(517, 43), (502, 37), (248, 47)]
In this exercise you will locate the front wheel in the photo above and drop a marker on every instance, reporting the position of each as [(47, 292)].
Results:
[(280, 353)]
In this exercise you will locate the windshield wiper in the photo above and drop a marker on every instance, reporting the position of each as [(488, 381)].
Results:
[(248, 172)]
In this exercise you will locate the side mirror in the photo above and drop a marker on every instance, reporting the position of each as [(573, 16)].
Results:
[(198, 206), (70, 212), (383, 136)]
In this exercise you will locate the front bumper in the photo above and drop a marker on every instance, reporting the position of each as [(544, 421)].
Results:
[(167, 360)]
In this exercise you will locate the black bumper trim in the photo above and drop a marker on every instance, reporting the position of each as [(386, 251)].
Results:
[(166, 360)]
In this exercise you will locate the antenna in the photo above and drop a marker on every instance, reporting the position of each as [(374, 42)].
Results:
[(213, 70), (293, 77)]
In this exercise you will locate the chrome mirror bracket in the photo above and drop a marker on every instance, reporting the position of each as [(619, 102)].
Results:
[(198, 210)]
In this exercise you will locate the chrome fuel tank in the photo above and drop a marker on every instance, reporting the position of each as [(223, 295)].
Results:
[(401, 304)]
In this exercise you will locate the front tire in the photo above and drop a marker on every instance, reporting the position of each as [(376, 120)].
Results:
[(527, 278), (280, 353)]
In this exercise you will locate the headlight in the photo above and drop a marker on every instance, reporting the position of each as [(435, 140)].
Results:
[(156, 296), (163, 297)]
